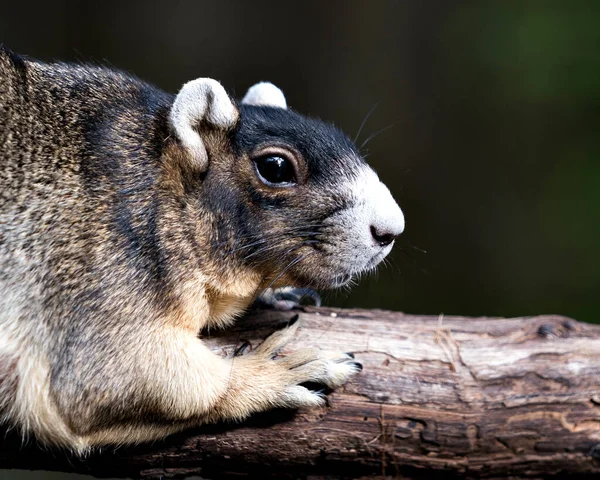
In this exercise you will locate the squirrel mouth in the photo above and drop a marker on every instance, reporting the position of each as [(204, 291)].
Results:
[(378, 257), (344, 278), (341, 280)]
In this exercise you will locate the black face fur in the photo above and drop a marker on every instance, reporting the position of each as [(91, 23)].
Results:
[(288, 232), (121, 240)]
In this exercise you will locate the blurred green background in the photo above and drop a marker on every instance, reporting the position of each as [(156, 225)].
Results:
[(489, 112)]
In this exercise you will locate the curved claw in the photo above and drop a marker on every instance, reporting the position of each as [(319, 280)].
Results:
[(241, 349)]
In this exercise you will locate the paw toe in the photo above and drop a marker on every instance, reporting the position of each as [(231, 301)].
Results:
[(279, 339), (297, 396), (331, 370), (339, 373)]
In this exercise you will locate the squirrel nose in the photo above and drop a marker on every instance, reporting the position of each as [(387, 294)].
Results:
[(383, 237), (383, 219), (387, 222)]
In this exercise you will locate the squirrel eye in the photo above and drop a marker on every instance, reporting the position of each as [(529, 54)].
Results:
[(275, 170)]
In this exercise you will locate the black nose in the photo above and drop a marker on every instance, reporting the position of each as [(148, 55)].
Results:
[(383, 237)]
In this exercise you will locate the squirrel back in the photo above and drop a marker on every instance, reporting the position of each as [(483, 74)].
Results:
[(130, 219)]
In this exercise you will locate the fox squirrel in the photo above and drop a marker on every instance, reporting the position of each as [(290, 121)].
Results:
[(131, 219)]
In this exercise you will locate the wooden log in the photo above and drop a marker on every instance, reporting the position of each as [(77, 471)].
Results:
[(445, 397)]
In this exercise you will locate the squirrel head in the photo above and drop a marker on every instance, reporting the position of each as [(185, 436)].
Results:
[(286, 195)]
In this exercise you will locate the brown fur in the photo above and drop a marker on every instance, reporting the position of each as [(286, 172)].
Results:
[(109, 267)]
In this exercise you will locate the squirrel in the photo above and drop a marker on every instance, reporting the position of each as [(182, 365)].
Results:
[(132, 219)]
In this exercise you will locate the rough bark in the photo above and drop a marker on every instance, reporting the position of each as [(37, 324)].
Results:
[(438, 398)]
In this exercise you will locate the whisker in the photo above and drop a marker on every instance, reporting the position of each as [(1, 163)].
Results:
[(250, 245), (365, 121), (403, 120), (414, 247), (261, 250), (276, 245), (373, 135), (290, 265), (273, 238)]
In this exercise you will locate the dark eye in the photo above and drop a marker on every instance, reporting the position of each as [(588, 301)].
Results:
[(275, 170)]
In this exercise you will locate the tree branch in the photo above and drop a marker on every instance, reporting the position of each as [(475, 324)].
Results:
[(438, 397)]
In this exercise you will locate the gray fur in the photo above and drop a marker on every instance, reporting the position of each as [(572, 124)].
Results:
[(109, 266)]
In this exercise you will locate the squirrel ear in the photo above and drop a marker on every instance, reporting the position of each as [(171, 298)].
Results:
[(203, 99), (264, 94)]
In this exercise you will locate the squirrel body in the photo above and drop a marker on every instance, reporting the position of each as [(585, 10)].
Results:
[(131, 219)]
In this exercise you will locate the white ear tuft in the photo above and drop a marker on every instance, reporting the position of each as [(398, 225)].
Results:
[(201, 99), (264, 94)]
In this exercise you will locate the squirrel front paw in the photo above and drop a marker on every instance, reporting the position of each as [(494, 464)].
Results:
[(331, 369), (262, 379), (287, 298)]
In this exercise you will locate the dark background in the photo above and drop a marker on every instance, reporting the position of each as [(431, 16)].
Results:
[(489, 110)]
